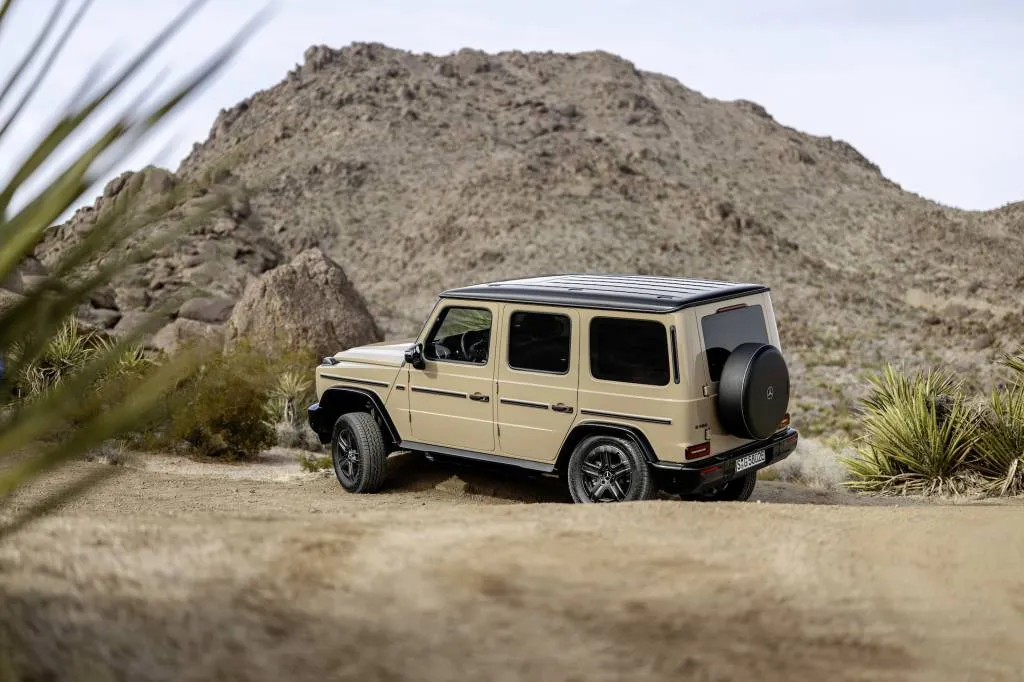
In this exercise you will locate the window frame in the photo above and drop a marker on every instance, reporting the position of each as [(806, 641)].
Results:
[(508, 344), (442, 314), (623, 382)]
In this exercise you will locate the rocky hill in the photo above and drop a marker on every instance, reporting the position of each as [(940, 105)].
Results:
[(416, 172)]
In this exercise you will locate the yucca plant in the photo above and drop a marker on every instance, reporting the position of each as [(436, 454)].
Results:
[(289, 391), (1000, 449), (1015, 363), (33, 322), (919, 432)]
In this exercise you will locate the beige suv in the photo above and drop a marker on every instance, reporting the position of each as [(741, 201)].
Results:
[(621, 385)]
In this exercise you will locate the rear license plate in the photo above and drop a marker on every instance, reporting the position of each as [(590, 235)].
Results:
[(751, 460)]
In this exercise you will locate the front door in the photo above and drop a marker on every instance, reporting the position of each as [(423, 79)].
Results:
[(451, 400), (537, 380)]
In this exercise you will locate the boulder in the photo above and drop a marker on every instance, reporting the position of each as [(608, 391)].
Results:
[(308, 303), (99, 317), (104, 298), (171, 338), (211, 310)]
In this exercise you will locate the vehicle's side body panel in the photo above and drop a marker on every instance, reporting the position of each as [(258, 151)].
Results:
[(662, 413), (535, 409)]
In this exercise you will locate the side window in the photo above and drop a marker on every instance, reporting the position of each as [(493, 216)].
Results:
[(539, 342), (460, 335), (633, 351)]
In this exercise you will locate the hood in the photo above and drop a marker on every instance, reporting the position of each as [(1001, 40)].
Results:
[(387, 353)]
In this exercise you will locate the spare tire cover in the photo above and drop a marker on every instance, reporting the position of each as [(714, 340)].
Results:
[(753, 391)]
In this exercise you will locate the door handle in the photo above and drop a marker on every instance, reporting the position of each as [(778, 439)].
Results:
[(479, 397), (561, 407)]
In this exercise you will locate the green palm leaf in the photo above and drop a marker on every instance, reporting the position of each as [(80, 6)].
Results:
[(38, 336)]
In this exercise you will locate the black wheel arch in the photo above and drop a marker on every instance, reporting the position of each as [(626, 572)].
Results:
[(589, 428), (340, 400)]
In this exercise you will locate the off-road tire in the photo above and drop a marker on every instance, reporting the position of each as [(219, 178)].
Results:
[(753, 391), (370, 454), (737, 490), (598, 455)]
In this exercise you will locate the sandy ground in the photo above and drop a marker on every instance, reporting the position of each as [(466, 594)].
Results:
[(175, 570)]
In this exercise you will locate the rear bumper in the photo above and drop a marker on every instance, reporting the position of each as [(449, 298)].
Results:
[(711, 472)]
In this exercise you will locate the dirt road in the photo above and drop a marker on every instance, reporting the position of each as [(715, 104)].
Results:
[(191, 572)]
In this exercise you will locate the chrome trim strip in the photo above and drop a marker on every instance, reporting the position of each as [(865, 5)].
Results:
[(438, 391), (365, 382), (621, 415), (399, 387), (524, 403)]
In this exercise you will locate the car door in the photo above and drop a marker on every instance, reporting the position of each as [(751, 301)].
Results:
[(537, 380), (450, 399)]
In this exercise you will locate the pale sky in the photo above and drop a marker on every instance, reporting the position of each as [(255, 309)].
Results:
[(930, 90)]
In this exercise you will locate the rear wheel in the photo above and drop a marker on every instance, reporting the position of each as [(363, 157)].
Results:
[(608, 469), (737, 490), (358, 453)]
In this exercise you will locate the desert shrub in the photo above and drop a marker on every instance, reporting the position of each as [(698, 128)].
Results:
[(919, 434), (999, 453), (220, 409), (315, 463), (291, 392), (1015, 363)]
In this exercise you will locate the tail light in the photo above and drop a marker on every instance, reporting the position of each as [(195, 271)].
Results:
[(697, 451), (785, 422)]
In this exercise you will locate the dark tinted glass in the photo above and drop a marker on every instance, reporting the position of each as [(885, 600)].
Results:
[(633, 351), (539, 342), (726, 330)]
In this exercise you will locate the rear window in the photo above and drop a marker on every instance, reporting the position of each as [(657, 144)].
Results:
[(725, 330), (632, 351)]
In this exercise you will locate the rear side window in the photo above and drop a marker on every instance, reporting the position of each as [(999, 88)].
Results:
[(725, 330), (539, 342), (632, 351)]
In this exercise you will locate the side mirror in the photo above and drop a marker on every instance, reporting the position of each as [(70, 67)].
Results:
[(414, 356)]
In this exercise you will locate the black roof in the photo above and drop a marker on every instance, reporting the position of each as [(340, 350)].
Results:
[(634, 293)]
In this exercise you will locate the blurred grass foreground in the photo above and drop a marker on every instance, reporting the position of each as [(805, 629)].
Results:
[(63, 393)]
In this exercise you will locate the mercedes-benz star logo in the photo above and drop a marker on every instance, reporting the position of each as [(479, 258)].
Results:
[(771, 392)]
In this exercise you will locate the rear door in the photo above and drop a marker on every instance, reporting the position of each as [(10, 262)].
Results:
[(537, 380), (721, 327)]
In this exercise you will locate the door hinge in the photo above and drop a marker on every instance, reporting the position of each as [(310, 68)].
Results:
[(707, 434), (499, 430), (706, 390)]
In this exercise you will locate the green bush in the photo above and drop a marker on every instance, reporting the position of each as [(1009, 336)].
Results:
[(919, 434), (999, 454), (922, 434), (221, 409)]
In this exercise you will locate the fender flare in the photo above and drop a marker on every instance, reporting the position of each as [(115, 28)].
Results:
[(583, 429), (337, 400)]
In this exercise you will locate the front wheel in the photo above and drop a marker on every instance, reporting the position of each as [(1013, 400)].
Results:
[(358, 453), (608, 469)]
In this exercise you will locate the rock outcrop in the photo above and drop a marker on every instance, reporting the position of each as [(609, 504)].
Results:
[(308, 303)]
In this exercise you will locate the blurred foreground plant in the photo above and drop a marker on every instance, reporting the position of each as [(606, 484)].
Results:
[(32, 326)]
